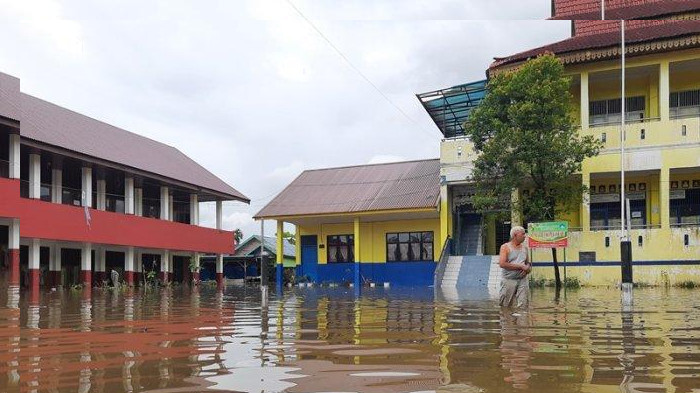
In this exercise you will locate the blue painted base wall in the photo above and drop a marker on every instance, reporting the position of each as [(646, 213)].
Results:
[(395, 273)]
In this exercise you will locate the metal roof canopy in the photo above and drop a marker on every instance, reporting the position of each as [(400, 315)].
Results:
[(450, 108)]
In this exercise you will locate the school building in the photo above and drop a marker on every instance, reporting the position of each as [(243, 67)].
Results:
[(367, 223), (80, 198)]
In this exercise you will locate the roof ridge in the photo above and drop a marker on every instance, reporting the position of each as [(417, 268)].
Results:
[(368, 165)]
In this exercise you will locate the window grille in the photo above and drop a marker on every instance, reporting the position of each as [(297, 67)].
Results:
[(685, 103), (608, 111)]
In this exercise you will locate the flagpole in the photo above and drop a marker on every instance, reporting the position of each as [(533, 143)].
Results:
[(625, 244)]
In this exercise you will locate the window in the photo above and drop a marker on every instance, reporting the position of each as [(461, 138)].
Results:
[(341, 248), (685, 103), (605, 210), (608, 111), (685, 207), (409, 246)]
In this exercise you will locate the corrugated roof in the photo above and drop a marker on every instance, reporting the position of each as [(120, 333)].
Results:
[(672, 29), (9, 97), (51, 124), (399, 185)]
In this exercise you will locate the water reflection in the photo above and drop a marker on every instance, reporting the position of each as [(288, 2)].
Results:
[(321, 340)]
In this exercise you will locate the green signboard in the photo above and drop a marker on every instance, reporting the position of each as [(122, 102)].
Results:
[(553, 234)]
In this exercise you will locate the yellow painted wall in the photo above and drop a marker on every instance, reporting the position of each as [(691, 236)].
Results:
[(373, 236)]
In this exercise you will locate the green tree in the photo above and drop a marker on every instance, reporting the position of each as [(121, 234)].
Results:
[(237, 236), (290, 236), (526, 138)]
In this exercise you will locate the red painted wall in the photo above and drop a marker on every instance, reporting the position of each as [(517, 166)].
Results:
[(51, 221)]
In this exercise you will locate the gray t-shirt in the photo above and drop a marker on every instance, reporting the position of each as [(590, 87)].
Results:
[(516, 256)]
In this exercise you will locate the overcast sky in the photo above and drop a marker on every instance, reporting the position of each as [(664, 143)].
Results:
[(256, 91)]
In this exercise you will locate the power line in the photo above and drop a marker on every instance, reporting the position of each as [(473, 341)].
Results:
[(362, 75)]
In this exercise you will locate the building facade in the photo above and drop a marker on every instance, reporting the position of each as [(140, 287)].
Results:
[(81, 198), (661, 146), (363, 224)]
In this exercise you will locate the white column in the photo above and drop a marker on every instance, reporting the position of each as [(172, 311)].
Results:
[(138, 261), (101, 260), (138, 201), (664, 90), (584, 101), (87, 187), (13, 240), (14, 156), (56, 258), (196, 257), (194, 209), (219, 214), (164, 199), (34, 253), (56, 185), (164, 261), (101, 195), (171, 209), (86, 257), (129, 259), (220, 263), (34, 176), (129, 195)]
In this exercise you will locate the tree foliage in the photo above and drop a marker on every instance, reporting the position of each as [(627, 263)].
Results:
[(526, 138)]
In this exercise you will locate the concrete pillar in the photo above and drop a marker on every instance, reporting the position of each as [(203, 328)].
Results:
[(164, 200), (86, 265), (219, 269), (56, 185), (13, 251), (138, 201), (129, 195), (279, 276), (87, 187), (100, 265), (664, 197), (164, 261), (196, 258), (356, 251), (664, 90), (194, 209), (129, 264), (138, 267), (585, 209), (34, 263), (219, 214), (584, 101), (55, 266), (101, 195), (34, 176), (14, 156)]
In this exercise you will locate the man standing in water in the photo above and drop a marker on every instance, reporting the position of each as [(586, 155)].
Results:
[(513, 259)]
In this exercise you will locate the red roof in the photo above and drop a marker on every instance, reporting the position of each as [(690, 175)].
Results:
[(629, 9), (398, 185), (51, 124), (646, 32)]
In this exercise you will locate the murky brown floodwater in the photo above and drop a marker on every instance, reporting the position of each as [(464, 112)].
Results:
[(326, 340)]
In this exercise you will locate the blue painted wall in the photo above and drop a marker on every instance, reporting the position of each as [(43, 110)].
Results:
[(396, 273)]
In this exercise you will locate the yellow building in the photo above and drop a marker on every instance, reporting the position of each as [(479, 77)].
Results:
[(661, 150), (363, 224)]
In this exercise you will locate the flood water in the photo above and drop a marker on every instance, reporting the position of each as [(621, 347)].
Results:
[(329, 340)]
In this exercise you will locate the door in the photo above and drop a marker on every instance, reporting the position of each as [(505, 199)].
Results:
[(309, 257)]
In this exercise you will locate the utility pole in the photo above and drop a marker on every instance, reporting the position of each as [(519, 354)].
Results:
[(625, 244)]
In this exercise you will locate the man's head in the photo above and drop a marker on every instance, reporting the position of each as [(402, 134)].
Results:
[(517, 234)]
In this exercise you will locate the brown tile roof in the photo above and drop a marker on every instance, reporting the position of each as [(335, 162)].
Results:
[(627, 10), (399, 185), (51, 124), (648, 33)]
